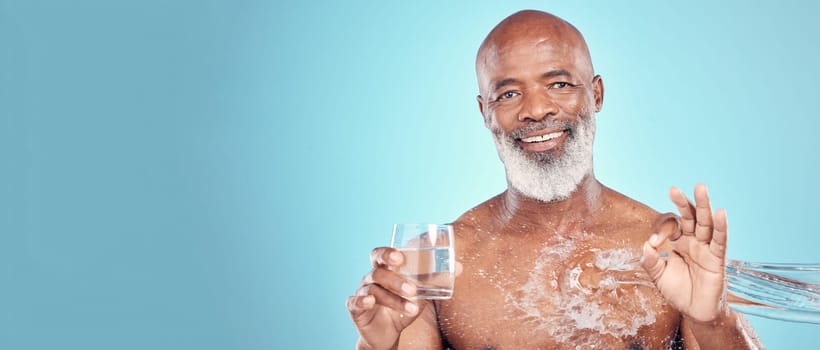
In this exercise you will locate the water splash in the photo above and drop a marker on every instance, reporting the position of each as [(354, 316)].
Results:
[(580, 304), (621, 259), (788, 292)]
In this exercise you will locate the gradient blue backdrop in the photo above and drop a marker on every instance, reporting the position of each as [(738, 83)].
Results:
[(213, 174)]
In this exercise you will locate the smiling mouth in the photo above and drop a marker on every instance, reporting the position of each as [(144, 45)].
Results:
[(543, 138), (543, 143)]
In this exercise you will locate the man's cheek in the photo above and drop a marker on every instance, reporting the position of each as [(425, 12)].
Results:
[(494, 126)]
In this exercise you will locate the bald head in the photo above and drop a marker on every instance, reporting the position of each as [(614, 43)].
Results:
[(536, 31)]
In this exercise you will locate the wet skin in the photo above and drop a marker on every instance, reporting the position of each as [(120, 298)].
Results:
[(499, 251)]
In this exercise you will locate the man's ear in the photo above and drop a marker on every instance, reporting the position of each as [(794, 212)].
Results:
[(481, 109), (598, 92)]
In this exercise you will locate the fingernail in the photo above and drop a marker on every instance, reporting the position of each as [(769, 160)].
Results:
[(395, 257), (408, 289), (653, 240), (369, 300), (411, 308)]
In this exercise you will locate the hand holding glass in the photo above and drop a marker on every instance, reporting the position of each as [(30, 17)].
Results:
[(429, 257)]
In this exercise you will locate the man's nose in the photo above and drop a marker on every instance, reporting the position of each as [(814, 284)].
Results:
[(537, 106)]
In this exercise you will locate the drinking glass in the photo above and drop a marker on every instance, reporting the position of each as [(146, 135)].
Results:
[(429, 258)]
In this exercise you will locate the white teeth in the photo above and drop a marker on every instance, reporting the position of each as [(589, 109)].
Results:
[(542, 138)]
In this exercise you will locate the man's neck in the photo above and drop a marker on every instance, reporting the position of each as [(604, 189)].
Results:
[(577, 210)]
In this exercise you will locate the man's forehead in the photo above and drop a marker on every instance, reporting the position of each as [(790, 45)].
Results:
[(532, 56), (530, 47)]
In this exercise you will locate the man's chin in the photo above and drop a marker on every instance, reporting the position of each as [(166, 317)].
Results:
[(543, 159)]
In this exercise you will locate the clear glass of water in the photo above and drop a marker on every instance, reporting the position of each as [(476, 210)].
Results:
[(429, 257)]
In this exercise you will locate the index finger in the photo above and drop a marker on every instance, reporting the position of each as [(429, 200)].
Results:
[(386, 256), (667, 227), (686, 209)]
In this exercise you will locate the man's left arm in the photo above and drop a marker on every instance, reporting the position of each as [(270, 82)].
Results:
[(729, 331), (692, 277)]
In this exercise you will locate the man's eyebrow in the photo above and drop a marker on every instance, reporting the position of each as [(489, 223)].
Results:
[(556, 73), (550, 74), (504, 82)]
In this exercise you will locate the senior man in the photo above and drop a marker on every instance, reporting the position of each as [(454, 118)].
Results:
[(558, 260)]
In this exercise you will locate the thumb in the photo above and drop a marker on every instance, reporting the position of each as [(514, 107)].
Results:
[(667, 226), (651, 260)]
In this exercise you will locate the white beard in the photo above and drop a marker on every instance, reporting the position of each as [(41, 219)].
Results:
[(542, 176)]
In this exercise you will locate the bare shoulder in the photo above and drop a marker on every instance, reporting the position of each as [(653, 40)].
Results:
[(477, 220), (627, 206), (622, 212)]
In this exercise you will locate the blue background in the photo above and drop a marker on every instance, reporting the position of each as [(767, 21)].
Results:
[(213, 174)]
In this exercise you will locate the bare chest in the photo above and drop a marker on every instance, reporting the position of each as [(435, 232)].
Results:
[(577, 292)]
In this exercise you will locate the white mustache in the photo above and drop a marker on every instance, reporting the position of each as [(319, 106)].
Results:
[(545, 124)]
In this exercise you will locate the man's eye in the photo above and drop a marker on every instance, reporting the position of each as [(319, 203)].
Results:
[(560, 85), (507, 95)]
